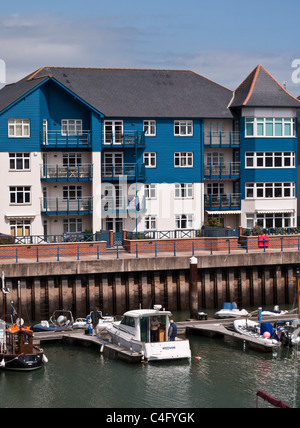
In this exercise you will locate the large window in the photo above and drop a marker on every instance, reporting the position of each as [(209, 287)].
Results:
[(150, 128), (19, 161), (150, 222), (183, 190), (113, 132), (18, 128), (20, 227), (270, 159), (270, 190), (183, 128), (72, 225), (150, 159), (71, 127), (183, 159), (150, 191), (184, 221), (72, 192), (270, 127), (19, 195), (270, 220)]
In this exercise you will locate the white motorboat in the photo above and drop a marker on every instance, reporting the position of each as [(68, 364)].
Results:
[(229, 310), (134, 333), (273, 312), (103, 321)]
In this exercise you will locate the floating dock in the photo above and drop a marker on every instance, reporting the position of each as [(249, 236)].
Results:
[(209, 328)]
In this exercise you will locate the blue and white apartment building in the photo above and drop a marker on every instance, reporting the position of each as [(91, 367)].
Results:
[(141, 150)]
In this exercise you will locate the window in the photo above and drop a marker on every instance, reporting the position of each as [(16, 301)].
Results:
[(20, 227), (270, 159), (270, 190), (270, 220), (71, 127), (214, 128), (150, 128), (113, 132), (184, 190), (215, 158), (184, 221), (72, 192), (150, 191), (72, 159), (150, 159), (19, 195), (19, 161), (72, 225), (183, 128), (129, 321), (150, 222), (215, 189), (18, 128), (183, 160), (270, 127)]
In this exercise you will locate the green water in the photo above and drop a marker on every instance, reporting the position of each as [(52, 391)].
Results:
[(227, 375)]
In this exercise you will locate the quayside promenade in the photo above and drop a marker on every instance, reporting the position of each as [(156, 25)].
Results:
[(116, 284)]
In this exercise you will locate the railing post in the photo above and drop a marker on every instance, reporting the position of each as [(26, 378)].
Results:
[(37, 254), (58, 254), (97, 252), (77, 252), (16, 255), (136, 251), (211, 247), (174, 249), (155, 249)]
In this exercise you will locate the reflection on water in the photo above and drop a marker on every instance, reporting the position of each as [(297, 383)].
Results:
[(226, 375)]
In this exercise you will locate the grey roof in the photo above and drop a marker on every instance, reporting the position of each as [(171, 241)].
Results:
[(134, 92), (260, 89)]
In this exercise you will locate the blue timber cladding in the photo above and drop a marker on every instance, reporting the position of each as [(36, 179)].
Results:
[(26, 108), (265, 175)]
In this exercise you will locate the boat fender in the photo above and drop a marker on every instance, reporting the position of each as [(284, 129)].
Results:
[(89, 320), (45, 359), (2, 363)]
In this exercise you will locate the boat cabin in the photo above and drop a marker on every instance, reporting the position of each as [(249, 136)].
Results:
[(19, 340), (138, 324)]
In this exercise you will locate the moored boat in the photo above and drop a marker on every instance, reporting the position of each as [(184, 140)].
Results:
[(229, 310), (134, 333), (60, 320), (17, 351)]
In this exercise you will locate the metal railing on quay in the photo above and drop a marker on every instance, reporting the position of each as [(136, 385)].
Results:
[(146, 249)]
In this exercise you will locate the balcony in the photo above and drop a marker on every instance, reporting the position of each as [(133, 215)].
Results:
[(222, 139), (60, 206), (123, 205), (224, 170), (130, 139), (57, 140), (132, 172), (222, 202), (67, 173)]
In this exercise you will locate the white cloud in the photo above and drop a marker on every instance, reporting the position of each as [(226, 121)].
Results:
[(30, 42)]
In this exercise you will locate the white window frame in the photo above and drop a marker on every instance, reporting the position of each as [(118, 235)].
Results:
[(113, 132), (262, 220), (20, 224), (150, 159), (72, 223), (19, 126), (150, 222), (150, 191), (149, 128), (184, 191), (183, 128), (71, 127), (268, 159), (183, 221), (269, 190), (15, 192), (19, 161), (263, 124), (183, 160)]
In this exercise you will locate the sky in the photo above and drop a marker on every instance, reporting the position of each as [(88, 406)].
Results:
[(221, 40)]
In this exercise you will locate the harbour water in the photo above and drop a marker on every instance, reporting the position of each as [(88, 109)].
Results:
[(226, 375)]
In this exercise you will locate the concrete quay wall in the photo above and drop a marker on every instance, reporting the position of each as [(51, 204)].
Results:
[(262, 278)]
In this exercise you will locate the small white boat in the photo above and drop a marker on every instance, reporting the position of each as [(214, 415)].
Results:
[(273, 312), (134, 333), (229, 310), (265, 332)]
